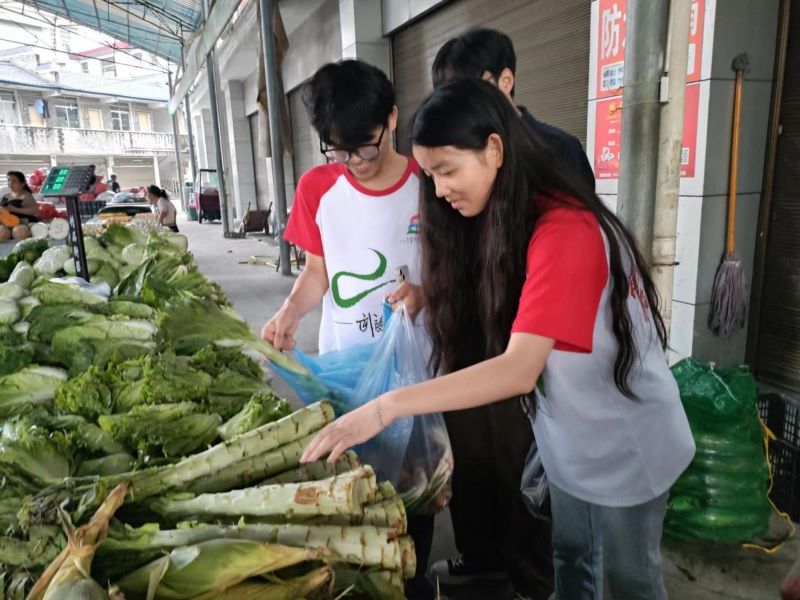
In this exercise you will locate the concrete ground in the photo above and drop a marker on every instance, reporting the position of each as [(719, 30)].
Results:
[(692, 571)]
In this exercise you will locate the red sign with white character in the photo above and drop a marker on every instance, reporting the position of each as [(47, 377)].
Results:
[(607, 136), (611, 48), (696, 40), (610, 79)]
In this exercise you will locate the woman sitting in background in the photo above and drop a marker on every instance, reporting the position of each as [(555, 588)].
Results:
[(20, 201), (165, 209)]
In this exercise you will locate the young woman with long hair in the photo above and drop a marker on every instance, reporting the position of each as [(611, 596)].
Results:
[(529, 275)]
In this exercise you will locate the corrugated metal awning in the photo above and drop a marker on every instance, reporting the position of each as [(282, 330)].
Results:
[(158, 26)]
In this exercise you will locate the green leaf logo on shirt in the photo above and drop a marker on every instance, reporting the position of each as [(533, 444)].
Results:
[(374, 276)]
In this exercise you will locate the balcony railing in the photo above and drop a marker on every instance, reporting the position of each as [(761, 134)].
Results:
[(20, 139)]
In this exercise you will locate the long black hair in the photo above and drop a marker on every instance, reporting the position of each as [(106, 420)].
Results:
[(473, 269), (20, 176), (157, 192)]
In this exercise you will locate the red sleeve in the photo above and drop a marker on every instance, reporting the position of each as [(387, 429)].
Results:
[(302, 229), (566, 274)]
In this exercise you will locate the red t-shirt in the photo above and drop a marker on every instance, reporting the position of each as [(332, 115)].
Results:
[(567, 271)]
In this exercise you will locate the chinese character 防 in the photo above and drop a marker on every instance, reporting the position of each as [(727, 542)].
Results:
[(610, 31)]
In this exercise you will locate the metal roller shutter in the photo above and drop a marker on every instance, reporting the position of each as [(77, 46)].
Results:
[(551, 39), (304, 138), (777, 357)]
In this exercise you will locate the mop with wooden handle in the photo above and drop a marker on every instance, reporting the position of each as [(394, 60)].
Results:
[(729, 297)]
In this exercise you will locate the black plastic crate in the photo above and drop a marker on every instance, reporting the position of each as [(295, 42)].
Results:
[(782, 417)]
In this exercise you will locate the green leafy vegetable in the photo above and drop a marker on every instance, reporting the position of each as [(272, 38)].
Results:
[(15, 352), (81, 436), (64, 293), (47, 320), (157, 379), (87, 395), (174, 429), (189, 324), (121, 236), (9, 311), (23, 275), (264, 407), (214, 359), (32, 387), (29, 250), (231, 390), (30, 451), (101, 341)]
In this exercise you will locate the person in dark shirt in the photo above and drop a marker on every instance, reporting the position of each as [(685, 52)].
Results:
[(115, 187), (489, 54)]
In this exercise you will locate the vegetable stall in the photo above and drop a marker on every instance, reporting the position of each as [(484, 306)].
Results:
[(144, 455)]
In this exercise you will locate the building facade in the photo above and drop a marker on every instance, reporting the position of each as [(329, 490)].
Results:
[(69, 96), (569, 75)]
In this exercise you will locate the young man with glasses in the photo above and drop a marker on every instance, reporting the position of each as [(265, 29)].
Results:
[(356, 218)]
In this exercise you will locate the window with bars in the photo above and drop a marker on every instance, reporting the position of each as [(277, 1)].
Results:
[(66, 112), (120, 118), (110, 70), (85, 66), (8, 108)]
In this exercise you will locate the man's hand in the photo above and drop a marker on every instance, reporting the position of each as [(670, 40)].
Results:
[(307, 292), (411, 295), (280, 329)]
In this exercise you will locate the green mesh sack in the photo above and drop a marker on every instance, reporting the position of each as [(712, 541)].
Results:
[(722, 496)]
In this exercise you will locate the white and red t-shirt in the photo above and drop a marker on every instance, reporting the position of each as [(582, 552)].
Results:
[(364, 235), (595, 443)]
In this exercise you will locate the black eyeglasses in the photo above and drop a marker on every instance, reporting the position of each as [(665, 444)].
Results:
[(367, 152)]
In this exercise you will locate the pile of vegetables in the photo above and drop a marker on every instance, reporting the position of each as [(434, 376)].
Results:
[(52, 224), (144, 455)]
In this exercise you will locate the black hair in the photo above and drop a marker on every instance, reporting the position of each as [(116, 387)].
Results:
[(473, 53), (347, 100), (20, 176), (473, 269), (157, 191)]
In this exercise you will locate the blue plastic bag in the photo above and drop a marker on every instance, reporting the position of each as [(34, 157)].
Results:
[(414, 452), (333, 375)]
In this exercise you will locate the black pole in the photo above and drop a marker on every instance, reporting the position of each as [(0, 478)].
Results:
[(276, 142), (212, 99)]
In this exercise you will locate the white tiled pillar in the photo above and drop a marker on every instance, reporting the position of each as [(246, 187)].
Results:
[(242, 181), (208, 139), (362, 33), (156, 171), (199, 142)]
